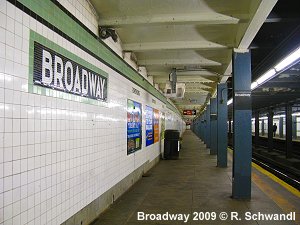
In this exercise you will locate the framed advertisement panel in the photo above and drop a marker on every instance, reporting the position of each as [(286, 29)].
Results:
[(156, 125), (149, 126), (134, 126)]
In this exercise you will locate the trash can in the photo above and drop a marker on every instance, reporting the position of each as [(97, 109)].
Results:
[(171, 146)]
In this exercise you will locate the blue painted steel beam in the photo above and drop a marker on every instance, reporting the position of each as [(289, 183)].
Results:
[(242, 113), (281, 127), (205, 126), (222, 115), (198, 133), (213, 126), (208, 126), (294, 127), (201, 128), (256, 142), (288, 133), (270, 130)]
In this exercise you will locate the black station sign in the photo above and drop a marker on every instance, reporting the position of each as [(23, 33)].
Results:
[(242, 100), (55, 71)]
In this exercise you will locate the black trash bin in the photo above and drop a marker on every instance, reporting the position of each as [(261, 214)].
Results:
[(171, 145)]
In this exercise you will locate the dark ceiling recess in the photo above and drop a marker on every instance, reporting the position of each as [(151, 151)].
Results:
[(279, 35), (280, 90)]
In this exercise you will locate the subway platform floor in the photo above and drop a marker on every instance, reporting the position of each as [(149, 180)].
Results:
[(194, 186)]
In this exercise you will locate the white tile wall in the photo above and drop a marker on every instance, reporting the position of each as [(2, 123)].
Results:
[(56, 155)]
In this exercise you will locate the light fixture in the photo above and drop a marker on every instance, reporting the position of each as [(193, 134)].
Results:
[(283, 64), (279, 116), (254, 85), (105, 32), (263, 118), (229, 101), (287, 61), (266, 76)]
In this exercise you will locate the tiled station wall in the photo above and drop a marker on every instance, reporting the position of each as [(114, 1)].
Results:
[(57, 152)]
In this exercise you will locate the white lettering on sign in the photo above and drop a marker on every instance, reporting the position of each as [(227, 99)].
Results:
[(242, 94), (55, 71)]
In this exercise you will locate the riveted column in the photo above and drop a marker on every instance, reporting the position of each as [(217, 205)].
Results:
[(270, 130), (222, 115), (256, 129), (208, 126), (242, 113), (213, 126), (288, 131)]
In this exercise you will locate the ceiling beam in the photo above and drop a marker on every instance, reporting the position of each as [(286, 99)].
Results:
[(197, 86), (179, 73), (172, 45), (185, 79), (257, 21), (171, 62), (196, 91), (192, 18), (187, 102), (259, 18)]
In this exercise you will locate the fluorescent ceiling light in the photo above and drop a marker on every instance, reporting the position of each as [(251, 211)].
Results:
[(278, 116), (229, 101), (266, 76), (263, 118), (296, 114), (254, 85), (287, 61)]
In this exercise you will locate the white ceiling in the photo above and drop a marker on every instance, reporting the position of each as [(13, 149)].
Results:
[(194, 36)]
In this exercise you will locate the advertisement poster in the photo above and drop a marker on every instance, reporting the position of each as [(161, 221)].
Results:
[(149, 126), (163, 126), (134, 126), (156, 125)]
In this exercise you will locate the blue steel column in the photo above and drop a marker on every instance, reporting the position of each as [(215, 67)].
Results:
[(198, 128), (222, 125), (256, 142), (270, 130), (281, 127), (205, 126), (288, 131), (201, 129), (263, 127), (229, 128), (241, 187), (213, 126), (200, 124), (208, 126), (294, 127)]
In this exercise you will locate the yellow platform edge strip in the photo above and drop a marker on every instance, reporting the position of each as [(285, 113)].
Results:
[(288, 187)]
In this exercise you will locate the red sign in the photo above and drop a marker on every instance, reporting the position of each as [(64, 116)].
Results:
[(189, 112)]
